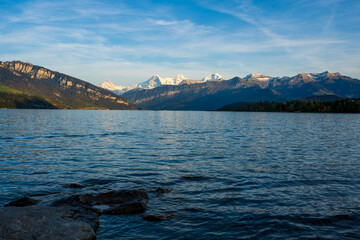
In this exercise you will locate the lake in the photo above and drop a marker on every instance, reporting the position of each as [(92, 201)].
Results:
[(232, 175)]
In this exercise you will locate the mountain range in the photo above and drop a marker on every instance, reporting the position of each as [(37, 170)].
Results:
[(157, 81), (212, 95), (23, 85)]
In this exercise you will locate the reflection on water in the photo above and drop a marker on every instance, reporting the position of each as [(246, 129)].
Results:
[(232, 175)]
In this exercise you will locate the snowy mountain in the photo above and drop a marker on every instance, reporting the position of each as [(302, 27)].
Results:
[(257, 77), (300, 78), (260, 80), (265, 81), (109, 85), (157, 81), (212, 77), (252, 88)]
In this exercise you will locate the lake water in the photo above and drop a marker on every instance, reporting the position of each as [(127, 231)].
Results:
[(232, 175)]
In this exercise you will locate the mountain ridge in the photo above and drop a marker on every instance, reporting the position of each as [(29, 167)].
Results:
[(253, 88), (62, 90), (157, 81), (43, 87)]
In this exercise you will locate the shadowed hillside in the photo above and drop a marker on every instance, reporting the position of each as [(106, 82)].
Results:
[(60, 90)]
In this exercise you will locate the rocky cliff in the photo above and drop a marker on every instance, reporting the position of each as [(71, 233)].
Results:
[(61, 90)]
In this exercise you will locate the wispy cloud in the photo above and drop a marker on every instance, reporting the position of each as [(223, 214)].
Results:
[(314, 48), (127, 42)]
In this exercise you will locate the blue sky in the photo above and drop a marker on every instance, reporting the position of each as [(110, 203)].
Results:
[(129, 41)]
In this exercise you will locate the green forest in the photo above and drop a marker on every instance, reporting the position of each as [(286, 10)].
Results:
[(339, 106), (12, 98)]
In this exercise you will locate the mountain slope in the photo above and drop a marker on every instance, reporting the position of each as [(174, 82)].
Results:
[(11, 98), (315, 84), (213, 77), (153, 82), (210, 95), (253, 88), (157, 81), (60, 90)]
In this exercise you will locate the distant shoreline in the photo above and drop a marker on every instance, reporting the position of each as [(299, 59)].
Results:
[(297, 106)]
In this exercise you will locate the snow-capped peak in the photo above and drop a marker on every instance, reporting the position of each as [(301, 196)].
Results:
[(108, 85), (173, 81), (153, 82), (326, 74), (154, 77), (257, 77), (212, 77), (180, 77), (157, 81)]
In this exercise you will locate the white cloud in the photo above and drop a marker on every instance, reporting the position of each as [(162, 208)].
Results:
[(97, 41), (316, 50), (163, 22)]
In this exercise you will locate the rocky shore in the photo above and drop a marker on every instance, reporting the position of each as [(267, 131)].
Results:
[(75, 217)]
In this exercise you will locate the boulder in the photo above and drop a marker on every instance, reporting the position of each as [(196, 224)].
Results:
[(128, 208), (75, 201), (113, 202), (75, 217), (22, 202), (44, 223)]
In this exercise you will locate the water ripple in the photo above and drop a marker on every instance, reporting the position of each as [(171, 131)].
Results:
[(231, 175)]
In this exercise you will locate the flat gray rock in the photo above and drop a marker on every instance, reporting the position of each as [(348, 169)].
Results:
[(43, 223)]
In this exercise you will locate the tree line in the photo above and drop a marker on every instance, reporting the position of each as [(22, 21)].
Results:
[(339, 106)]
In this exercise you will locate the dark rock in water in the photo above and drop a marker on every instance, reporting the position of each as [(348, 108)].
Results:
[(113, 202), (122, 202), (162, 190), (156, 218), (74, 185), (129, 208), (83, 210), (87, 215), (75, 200), (43, 223), (22, 202), (120, 197), (75, 217)]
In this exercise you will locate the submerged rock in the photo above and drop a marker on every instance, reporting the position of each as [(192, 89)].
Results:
[(87, 215), (74, 200), (75, 217), (128, 208), (44, 223), (162, 190), (113, 202), (121, 202), (22, 202)]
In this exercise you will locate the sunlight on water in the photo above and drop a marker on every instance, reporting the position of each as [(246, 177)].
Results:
[(231, 175)]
